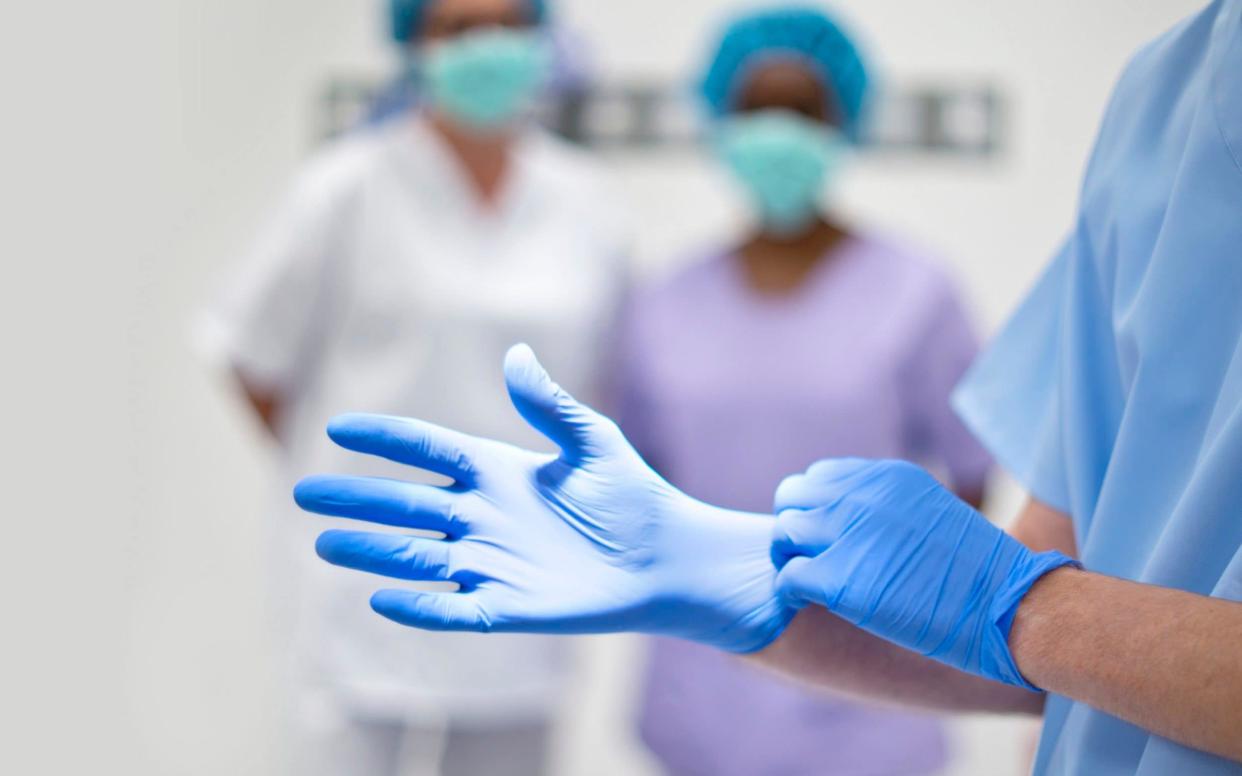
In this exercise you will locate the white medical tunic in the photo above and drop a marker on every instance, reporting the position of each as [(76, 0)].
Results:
[(384, 285)]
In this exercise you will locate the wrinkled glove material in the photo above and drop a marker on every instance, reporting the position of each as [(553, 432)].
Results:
[(884, 546), (588, 541)]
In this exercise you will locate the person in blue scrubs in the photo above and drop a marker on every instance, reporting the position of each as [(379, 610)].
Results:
[(1113, 607)]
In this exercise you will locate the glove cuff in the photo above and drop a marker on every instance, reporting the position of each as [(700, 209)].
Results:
[(722, 579), (997, 661)]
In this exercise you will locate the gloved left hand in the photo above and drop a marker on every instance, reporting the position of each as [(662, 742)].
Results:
[(588, 541), (884, 546)]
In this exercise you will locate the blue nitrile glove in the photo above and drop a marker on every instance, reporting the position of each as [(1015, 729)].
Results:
[(590, 541), (884, 546)]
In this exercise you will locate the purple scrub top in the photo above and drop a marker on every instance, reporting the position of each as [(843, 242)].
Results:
[(726, 391)]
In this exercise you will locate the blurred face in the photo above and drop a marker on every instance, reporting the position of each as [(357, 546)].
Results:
[(450, 18), (787, 84), (783, 142), (481, 63)]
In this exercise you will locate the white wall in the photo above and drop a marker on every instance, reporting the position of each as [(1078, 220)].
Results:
[(143, 140)]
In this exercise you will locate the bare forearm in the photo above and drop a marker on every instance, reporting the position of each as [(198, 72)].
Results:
[(827, 651), (1165, 660), (824, 650)]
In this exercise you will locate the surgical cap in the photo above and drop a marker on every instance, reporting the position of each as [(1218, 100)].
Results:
[(803, 32), (406, 16)]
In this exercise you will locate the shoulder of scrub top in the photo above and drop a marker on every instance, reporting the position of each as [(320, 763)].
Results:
[(340, 167), (662, 295)]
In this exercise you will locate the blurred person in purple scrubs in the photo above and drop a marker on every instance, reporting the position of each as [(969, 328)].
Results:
[(805, 339)]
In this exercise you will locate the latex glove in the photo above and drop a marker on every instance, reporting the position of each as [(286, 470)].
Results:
[(590, 541), (883, 545)]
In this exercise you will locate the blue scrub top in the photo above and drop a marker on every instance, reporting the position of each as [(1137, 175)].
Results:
[(1115, 392)]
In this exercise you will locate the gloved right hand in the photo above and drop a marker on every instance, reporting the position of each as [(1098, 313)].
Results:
[(884, 546), (588, 541)]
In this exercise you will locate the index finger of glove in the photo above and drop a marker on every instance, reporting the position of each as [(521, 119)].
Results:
[(408, 441)]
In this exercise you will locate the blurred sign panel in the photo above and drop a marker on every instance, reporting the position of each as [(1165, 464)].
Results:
[(943, 119)]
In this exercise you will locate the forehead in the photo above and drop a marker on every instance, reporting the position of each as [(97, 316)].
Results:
[(778, 74), (476, 8)]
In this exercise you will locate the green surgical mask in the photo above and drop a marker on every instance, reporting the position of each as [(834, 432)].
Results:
[(485, 79), (784, 160)]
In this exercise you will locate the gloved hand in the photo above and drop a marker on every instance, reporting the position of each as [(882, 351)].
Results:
[(884, 546), (590, 541)]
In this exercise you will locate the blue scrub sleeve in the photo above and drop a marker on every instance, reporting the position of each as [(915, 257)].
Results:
[(1008, 398)]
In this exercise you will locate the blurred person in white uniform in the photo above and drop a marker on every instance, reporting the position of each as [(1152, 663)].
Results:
[(406, 258)]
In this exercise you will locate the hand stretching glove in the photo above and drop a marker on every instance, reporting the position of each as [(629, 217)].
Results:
[(882, 545), (590, 541)]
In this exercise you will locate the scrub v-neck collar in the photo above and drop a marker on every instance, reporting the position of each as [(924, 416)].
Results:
[(436, 171)]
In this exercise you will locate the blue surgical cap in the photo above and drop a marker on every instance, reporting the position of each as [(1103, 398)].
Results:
[(406, 16), (804, 32)]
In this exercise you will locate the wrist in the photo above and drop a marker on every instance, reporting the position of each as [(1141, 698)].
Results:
[(1042, 618), (1027, 570), (722, 566)]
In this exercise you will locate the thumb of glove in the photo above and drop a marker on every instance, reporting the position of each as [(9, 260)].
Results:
[(573, 427)]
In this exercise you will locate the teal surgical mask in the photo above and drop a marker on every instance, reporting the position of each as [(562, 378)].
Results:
[(784, 160), (485, 79)]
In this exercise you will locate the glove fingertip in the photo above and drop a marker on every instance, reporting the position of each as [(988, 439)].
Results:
[(791, 582), (787, 492), (530, 387), (311, 491), (522, 368), (431, 611), (304, 492), (348, 424), (329, 544), (401, 607), (387, 601), (832, 468), (520, 354)]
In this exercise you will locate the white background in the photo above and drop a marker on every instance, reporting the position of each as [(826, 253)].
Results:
[(143, 140)]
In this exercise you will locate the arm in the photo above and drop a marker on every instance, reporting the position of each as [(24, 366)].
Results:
[(823, 649), (1165, 660), (827, 651), (268, 326), (883, 546), (604, 545), (267, 405)]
